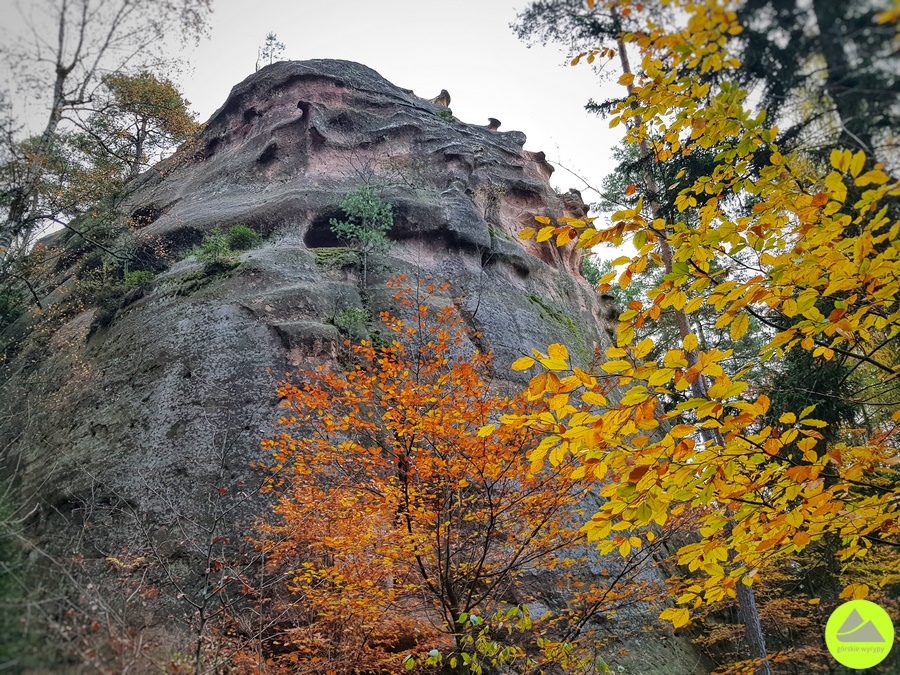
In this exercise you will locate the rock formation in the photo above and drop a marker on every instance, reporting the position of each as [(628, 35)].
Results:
[(121, 423), (442, 99)]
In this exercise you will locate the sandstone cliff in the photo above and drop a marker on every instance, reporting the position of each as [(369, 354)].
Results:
[(122, 423)]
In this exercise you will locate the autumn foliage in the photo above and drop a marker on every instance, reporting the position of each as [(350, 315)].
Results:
[(405, 517), (813, 258)]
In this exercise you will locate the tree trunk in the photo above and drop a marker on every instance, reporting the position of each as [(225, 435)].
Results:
[(752, 630), (140, 137), (746, 600), (831, 43), (23, 203)]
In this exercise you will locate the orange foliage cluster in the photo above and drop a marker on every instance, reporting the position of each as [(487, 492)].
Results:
[(400, 521)]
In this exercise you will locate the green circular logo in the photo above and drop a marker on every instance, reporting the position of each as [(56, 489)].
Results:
[(859, 634)]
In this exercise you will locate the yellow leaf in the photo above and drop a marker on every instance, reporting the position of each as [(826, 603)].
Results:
[(558, 454), (878, 177), (643, 348), (806, 444), (693, 305), (555, 364), (660, 377), (618, 366), (543, 220), (835, 186), (545, 233), (558, 351), (815, 601), (678, 617), (558, 401), (675, 358), (857, 163), (787, 418), (681, 430), (855, 591), (835, 158), (523, 363), (636, 395), (690, 342), (526, 233), (486, 430), (625, 549), (592, 398), (739, 326), (627, 79), (846, 157)]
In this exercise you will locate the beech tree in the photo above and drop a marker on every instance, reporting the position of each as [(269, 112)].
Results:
[(403, 523), (813, 261)]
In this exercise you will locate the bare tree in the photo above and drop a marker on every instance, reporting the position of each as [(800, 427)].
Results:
[(60, 61)]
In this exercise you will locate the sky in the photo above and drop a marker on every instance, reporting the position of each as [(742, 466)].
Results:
[(465, 46)]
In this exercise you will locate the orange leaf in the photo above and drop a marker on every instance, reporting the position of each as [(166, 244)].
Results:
[(820, 199)]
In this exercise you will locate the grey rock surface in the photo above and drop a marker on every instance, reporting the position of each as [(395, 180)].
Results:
[(133, 425)]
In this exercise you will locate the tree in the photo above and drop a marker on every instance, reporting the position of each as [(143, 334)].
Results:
[(813, 266), (369, 219), (270, 51), (138, 118), (402, 528), (814, 66), (92, 40)]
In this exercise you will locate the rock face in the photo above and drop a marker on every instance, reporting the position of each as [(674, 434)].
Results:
[(121, 426)]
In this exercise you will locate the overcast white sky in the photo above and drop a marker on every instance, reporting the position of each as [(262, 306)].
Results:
[(464, 46)]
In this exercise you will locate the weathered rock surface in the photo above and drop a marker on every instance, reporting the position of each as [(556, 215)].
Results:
[(142, 417)]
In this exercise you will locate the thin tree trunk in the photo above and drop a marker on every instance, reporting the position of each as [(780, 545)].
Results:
[(746, 600), (23, 203), (831, 44), (141, 136)]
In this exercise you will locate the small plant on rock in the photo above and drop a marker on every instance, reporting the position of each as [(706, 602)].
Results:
[(214, 252), (365, 229), (242, 238), (351, 322), (138, 278)]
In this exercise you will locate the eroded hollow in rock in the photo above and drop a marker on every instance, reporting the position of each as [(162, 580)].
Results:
[(319, 234), (269, 154), (145, 215), (209, 149)]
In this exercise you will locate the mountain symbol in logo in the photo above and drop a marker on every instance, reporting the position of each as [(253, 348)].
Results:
[(855, 629)]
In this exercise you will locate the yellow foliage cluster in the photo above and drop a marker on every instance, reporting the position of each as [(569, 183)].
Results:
[(766, 490)]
